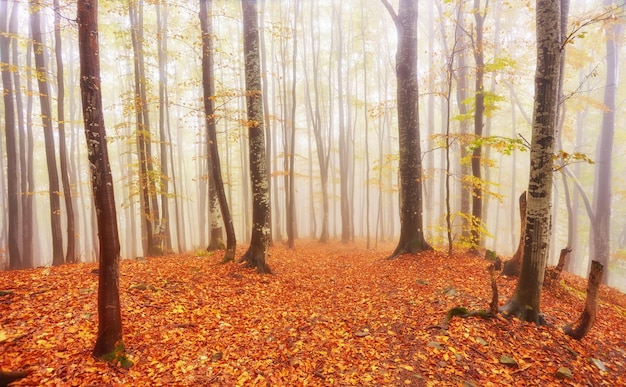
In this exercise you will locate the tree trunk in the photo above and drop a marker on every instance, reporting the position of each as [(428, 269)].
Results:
[(291, 209), (164, 126), (257, 252), (586, 320), (601, 229), (25, 146), (15, 261), (479, 113), (70, 255), (525, 302), (149, 216), (513, 265), (208, 80), (46, 118), (109, 339), (411, 228)]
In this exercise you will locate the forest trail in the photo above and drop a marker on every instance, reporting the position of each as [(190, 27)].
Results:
[(329, 315)]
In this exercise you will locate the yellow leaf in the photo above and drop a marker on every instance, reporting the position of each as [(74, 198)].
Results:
[(407, 367)]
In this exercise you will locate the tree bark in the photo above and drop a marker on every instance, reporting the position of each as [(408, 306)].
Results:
[(70, 254), (15, 261), (525, 302), (109, 339), (208, 80), (256, 255), (601, 229), (479, 114), (588, 317), (46, 118), (513, 265), (411, 228)]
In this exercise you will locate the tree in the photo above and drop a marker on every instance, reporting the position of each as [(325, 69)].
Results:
[(109, 339), (46, 118), (70, 254), (525, 301), (411, 229), (257, 251), (209, 112), (15, 261), (601, 227), (147, 187), (479, 114), (164, 126)]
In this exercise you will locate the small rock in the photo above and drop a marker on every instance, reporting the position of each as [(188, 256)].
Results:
[(481, 341), (598, 363), (564, 373), (434, 344), (508, 360)]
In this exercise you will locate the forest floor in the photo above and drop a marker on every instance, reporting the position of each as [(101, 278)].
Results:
[(329, 315)]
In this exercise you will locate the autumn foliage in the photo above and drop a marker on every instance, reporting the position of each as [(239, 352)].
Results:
[(329, 315)]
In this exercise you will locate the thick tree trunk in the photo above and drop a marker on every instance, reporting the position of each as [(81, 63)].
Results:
[(411, 228), (525, 302), (109, 339), (256, 255), (586, 320)]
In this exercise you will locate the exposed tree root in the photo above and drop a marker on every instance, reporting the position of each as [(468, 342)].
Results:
[(412, 246), (255, 258)]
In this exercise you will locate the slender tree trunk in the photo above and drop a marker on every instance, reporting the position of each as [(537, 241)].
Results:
[(208, 80), (479, 113), (366, 129), (70, 255), (109, 338), (343, 142), (291, 210), (266, 111), (601, 229), (142, 131), (15, 261), (164, 126), (46, 117)]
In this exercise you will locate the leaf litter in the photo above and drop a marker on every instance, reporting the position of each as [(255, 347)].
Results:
[(331, 314)]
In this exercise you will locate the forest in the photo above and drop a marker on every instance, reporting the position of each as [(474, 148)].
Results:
[(374, 192)]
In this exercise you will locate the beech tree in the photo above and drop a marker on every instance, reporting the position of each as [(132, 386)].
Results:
[(257, 251), (46, 118), (411, 228), (109, 339), (525, 301), (209, 112), (15, 261)]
